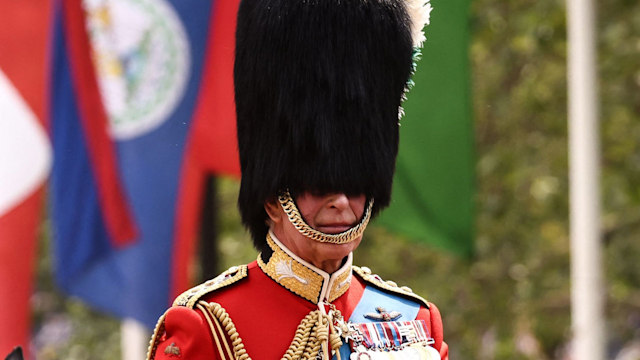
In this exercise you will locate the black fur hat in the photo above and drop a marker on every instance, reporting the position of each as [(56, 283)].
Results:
[(318, 86)]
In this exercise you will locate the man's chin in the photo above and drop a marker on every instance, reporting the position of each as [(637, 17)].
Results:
[(338, 251)]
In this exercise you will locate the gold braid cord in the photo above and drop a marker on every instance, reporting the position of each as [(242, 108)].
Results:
[(312, 332), (155, 339), (296, 219)]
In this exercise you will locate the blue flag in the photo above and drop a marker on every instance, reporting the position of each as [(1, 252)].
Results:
[(125, 81)]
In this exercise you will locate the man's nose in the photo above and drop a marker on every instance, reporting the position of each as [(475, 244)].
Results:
[(338, 201)]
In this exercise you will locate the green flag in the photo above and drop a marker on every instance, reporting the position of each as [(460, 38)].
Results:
[(434, 184)]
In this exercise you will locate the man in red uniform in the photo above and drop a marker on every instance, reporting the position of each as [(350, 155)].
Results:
[(318, 90)]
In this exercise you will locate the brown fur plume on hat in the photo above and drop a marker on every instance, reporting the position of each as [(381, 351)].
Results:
[(318, 85)]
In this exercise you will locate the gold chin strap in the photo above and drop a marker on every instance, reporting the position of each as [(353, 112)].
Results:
[(290, 208)]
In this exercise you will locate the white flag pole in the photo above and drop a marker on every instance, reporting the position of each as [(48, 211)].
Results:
[(587, 292), (134, 340)]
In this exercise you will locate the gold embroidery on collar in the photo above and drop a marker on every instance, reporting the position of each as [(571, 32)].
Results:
[(300, 278), (340, 285)]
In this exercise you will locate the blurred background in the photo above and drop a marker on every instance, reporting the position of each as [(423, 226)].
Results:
[(120, 190)]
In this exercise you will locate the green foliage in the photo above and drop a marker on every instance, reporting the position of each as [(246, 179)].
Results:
[(512, 300)]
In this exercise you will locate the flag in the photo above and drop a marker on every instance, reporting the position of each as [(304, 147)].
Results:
[(136, 87), (434, 184), (25, 159)]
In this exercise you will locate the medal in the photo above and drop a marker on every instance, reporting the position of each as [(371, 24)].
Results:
[(406, 340)]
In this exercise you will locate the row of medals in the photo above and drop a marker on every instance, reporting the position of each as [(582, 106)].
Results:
[(413, 343)]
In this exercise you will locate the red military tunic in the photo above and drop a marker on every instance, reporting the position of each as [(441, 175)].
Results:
[(267, 300)]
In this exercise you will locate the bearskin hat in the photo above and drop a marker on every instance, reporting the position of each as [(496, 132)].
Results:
[(318, 87)]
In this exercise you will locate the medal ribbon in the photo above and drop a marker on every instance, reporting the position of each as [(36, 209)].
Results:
[(389, 335)]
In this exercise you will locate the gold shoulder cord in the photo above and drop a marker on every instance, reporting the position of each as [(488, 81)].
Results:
[(190, 299), (217, 333), (312, 332)]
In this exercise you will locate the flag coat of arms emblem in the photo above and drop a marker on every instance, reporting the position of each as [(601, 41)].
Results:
[(138, 88)]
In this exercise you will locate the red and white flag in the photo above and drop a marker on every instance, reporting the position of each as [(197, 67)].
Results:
[(25, 159)]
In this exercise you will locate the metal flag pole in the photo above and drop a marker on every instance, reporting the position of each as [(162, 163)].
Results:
[(587, 292)]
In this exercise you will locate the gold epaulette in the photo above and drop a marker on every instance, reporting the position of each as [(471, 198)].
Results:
[(375, 280), (190, 297)]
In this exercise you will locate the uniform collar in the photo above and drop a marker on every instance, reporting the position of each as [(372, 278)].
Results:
[(302, 278)]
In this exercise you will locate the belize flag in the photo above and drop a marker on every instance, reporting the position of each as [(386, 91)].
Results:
[(141, 110)]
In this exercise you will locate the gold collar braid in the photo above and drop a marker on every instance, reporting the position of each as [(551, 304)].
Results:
[(302, 278), (290, 208)]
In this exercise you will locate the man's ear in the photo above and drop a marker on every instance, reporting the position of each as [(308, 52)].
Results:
[(273, 209)]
